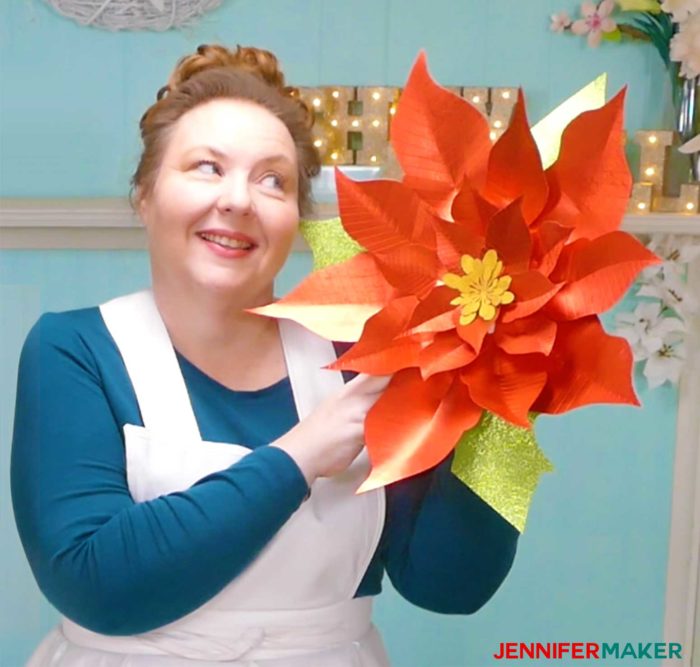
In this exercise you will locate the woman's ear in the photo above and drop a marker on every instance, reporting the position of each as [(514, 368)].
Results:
[(140, 204)]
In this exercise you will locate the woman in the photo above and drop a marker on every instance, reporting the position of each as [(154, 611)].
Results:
[(183, 472)]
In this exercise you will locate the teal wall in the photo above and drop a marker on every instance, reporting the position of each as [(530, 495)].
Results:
[(72, 97), (591, 565)]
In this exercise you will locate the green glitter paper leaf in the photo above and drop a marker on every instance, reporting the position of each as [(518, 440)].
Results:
[(502, 464), (329, 242)]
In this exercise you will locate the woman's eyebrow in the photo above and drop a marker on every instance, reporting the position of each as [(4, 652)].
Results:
[(210, 149), (221, 155), (277, 157)]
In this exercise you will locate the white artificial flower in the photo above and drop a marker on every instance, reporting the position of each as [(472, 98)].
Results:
[(655, 337), (633, 326), (646, 329), (670, 287), (678, 248), (680, 9), (676, 252), (691, 146), (685, 46), (666, 364), (667, 280)]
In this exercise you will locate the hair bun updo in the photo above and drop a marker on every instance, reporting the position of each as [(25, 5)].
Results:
[(260, 62), (216, 72)]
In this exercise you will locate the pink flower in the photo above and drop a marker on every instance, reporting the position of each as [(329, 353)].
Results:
[(595, 21), (685, 46), (560, 22), (680, 9)]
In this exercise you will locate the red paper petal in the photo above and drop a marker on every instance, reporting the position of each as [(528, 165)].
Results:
[(597, 273), (454, 240), (393, 357), (586, 366), (532, 291), (378, 352), (335, 302), (471, 211), (473, 334), (509, 236), (389, 221), (506, 385), (590, 181), (415, 424), (534, 334), (549, 239), (446, 353), (383, 214), (435, 313), (515, 168), (439, 139)]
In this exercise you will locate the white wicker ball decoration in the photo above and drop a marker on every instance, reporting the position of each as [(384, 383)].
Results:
[(134, 14)]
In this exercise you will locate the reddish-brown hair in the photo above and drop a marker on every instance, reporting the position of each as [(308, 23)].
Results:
[(215, 72)]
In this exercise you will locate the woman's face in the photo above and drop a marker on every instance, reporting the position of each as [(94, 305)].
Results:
[(224, 207)]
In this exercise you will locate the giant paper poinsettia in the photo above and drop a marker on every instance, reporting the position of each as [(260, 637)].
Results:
[(482, 276)]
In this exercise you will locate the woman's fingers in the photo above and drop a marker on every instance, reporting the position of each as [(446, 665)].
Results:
[(369, 383)]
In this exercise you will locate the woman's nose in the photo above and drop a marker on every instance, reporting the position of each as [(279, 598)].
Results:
[(235, 195)]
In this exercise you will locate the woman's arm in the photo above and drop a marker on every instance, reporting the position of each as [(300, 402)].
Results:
[(444, 548), (108, 563)]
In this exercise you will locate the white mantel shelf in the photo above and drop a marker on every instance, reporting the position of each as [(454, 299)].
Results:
[(109, 223)]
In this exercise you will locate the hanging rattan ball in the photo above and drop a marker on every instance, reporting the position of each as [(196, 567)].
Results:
[(134, 14)]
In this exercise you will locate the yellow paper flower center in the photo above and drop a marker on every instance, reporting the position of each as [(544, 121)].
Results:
[(481, 289)]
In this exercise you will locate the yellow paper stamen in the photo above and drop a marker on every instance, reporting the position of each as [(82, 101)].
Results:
[(481, 289)]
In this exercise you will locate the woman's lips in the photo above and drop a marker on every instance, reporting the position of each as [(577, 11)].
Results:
[(228, 244)]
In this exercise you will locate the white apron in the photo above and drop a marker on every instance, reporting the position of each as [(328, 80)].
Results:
[(293, 606)]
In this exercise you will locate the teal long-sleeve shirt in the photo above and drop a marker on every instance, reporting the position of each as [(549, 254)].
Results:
[(119, 567)]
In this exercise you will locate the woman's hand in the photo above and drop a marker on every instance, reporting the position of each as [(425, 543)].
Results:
[(329, 439)]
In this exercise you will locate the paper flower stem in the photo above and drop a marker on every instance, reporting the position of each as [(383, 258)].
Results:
[(502, 464)]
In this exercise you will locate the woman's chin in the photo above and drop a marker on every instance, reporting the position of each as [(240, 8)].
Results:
[(249, 292)]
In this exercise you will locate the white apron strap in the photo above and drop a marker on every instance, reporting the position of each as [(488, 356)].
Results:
[(138, 330), (306, 354)]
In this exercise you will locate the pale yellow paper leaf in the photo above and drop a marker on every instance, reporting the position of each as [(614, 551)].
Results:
[(547, 133)]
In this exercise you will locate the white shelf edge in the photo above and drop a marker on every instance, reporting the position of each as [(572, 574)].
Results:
[(669, 223), (109, 223)]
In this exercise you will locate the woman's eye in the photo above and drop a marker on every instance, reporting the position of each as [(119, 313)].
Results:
[(208, 167), (273, 181)]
